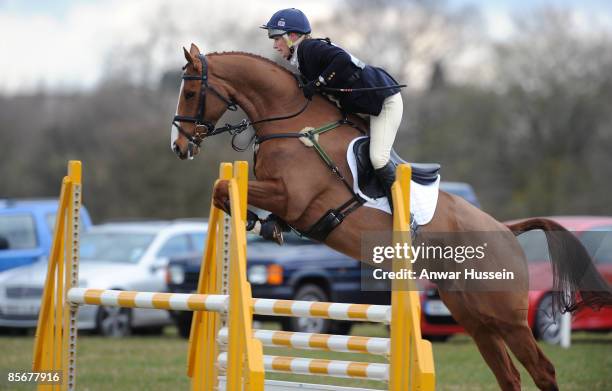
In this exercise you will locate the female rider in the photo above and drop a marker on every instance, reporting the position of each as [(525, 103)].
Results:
[(325, 64)]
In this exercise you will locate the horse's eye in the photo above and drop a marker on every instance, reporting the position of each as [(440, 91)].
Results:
[(189, 95)]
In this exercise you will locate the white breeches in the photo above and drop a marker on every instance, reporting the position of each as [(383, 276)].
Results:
[(383, 129)]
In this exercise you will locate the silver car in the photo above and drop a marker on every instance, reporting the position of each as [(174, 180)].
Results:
[(124, 256)]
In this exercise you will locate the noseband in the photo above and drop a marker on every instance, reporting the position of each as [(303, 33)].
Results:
[(203, 128)]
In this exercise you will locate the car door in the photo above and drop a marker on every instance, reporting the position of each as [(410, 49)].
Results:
[(176, 244), (173, 244)]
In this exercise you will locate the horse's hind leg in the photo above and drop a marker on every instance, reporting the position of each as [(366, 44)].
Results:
[(473, 311), (494, 352), (524, 346)]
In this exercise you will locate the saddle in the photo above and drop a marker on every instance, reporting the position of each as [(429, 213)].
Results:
[(422, 173)]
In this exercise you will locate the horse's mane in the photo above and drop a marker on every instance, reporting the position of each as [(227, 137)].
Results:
[(355, 118), (254, 56)]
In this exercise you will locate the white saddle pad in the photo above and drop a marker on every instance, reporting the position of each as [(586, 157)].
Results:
[(423, 199)]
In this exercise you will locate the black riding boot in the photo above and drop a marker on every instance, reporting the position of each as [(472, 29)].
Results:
[(386, 177)]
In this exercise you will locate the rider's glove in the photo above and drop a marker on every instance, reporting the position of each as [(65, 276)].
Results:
[(311, 88)]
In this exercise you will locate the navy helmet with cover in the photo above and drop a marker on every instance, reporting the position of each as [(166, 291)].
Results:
[(290, 20)]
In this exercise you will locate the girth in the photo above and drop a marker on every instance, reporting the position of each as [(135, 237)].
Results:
[(333, 217)]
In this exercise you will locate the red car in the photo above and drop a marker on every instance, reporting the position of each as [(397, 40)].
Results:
[(595, 233)]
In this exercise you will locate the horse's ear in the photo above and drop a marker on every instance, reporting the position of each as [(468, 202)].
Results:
[(194, 50), (188, 56)]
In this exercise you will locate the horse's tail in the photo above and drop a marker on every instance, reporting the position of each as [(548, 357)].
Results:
[(572, 267)]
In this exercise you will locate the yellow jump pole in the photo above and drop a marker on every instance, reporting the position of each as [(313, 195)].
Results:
[(55, 343), (245, 353), (408, 349), (45, 342), (203, 351)]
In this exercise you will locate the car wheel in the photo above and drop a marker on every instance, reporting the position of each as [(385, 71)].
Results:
[(310, 292), (114, 321), (547, 325), (341, 327), (436, 338)]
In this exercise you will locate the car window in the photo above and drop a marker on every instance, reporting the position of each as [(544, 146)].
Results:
[(534, 245), (50, 221), (122, 247), (198, 242), (178, 244), (19, 230), (599, 244)]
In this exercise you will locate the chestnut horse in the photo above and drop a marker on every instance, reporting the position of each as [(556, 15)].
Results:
[(293, 184)]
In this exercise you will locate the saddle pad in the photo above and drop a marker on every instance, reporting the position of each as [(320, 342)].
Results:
[(423, 198)]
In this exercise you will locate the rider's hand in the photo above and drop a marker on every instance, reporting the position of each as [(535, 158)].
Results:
[(311, 88)]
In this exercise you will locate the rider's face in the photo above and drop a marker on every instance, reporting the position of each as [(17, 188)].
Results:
[(281, 46)]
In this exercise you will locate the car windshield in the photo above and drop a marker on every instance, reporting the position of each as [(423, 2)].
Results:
[(124, 247), (18, 231), (534, 245), (598, 244)]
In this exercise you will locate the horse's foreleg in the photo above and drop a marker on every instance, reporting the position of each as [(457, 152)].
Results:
[(221, 195), (269, 195)]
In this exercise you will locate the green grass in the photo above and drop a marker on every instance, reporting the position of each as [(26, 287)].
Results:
[(159, 363)]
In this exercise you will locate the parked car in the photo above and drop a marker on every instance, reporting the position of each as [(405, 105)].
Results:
[(123, 256), (595, 233), (461, 189), (26, 230)]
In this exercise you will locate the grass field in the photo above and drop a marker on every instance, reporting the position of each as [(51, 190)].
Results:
[(159, 363)]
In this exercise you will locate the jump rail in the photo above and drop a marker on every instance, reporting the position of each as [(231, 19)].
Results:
[(225, 352)]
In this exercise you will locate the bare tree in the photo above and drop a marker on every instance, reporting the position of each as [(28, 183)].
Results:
[(556, 75)]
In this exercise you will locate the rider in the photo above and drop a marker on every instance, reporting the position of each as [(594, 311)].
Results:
[(324, 64)]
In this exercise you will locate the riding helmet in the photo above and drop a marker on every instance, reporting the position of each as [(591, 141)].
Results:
[(288, 20)]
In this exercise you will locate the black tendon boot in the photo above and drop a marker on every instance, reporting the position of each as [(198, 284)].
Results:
[(386, 177), (272, 228)]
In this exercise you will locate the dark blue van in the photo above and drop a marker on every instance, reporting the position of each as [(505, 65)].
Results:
[(26, 230)]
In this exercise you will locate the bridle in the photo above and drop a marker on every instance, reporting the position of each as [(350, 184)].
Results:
[(203, 128)]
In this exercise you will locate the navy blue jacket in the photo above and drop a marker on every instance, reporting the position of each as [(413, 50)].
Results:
[(319, 58)]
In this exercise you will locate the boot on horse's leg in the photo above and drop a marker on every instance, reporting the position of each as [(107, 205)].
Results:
[(271, 228), (386, 177)]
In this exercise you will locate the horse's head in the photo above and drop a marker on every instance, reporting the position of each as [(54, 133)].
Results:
[(195, 114)]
